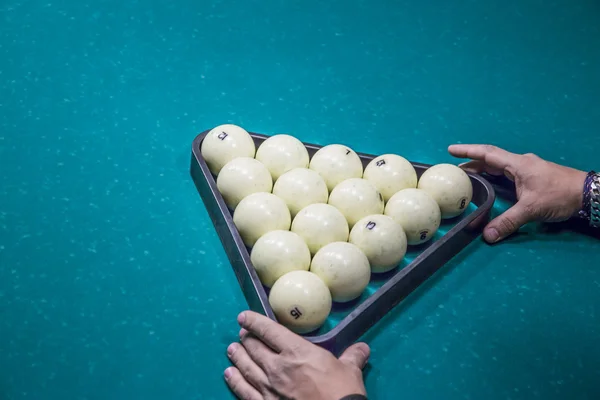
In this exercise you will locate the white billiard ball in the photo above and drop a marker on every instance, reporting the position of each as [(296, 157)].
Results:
[(301, 187), (449, 186), (301, 301), (356, 198), (241, 177), (277, 253), (344, 268), (282, 153), (258, 214), (320, 224), (381, 239), (417, 213), (224, 143), (390, 174), (336, 163)]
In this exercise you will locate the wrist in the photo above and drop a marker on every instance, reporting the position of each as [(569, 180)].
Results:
[(576, 191)]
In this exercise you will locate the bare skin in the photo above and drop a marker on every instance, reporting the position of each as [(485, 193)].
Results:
[(546, 191), (273, 363)]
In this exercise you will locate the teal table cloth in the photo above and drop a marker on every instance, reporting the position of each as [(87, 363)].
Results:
[(113, 282)]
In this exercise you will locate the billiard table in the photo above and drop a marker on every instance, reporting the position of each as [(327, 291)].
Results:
[(113, 281)]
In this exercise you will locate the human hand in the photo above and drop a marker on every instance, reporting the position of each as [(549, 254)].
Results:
[(273, 363), (545, 191)]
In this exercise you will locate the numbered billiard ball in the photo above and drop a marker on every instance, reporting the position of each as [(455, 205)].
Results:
[(241, 177), (449, 186), (417, 213), (277, 253), (356, 198), (258, 214), (301, 301), (344, 268), (336, 163), (224, 143), (390, 174), (320, 224), (301, 187), (381, 239), (282, 153)]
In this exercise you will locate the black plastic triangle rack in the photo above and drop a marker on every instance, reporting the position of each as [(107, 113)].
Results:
[(348, 322)]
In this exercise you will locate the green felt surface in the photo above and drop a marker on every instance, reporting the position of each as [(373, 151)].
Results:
[(113, 283)]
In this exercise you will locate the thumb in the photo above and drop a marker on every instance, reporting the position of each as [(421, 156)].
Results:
[(507, 223), (356, 355)]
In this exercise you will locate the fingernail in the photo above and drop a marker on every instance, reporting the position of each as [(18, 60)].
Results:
[(242, 332), (228, 373), (492, 235), (241, 318), (231, 348)]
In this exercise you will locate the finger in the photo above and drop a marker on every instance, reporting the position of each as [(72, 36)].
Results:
[(251, 372), (269, 332), (356, 355), (258, 351), (491, 155), (507, 223), (239, 386), (479, 167)]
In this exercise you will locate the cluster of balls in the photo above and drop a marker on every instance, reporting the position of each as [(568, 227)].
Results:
[(318, 227)]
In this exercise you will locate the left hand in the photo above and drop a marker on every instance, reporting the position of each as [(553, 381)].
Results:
[(273, 363)]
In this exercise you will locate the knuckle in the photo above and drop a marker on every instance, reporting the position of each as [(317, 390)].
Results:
[(278, 368), (249, 322), (489, 152), (507, 224), (241, 390), (263, 385), (271, 335), (250, 396), (489, 148), (530, 209), (264, 331), (275, 375), (271, 368), (295, 349), (245, 370), (530, 156), (235, 357)]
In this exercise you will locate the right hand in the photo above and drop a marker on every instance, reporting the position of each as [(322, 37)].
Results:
[(545, 191)]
